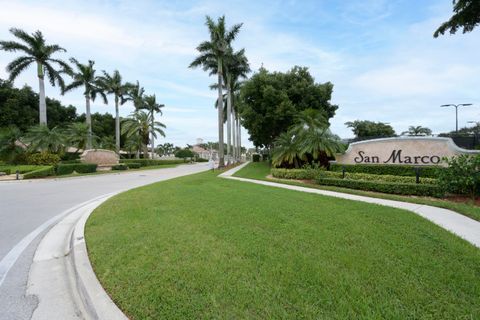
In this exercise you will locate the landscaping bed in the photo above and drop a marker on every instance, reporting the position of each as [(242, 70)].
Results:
[(205, 247)]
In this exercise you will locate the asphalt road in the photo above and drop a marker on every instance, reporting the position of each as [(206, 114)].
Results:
[(29, 208)]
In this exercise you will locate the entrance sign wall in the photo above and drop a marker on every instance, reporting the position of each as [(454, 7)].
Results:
[(418, 151)]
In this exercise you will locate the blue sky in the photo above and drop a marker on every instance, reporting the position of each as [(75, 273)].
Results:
[(379, 54)]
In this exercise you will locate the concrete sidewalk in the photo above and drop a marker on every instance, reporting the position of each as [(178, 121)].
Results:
[(454, 222)]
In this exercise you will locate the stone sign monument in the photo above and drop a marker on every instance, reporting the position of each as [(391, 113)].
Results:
[(418, 151), (101, 157)]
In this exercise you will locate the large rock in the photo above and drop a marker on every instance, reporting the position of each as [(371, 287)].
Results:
[(100, 157)]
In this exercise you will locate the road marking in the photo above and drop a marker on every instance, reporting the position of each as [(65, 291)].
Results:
[(12, 256)]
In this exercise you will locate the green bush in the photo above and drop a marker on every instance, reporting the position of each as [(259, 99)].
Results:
[(134, 165), (40, 173), (6, 171), (120, 167), (184, 154), (385, 187), (462, 175), (255, 157), (394, 170), (43, 158), (309, 174), (201, 160), (63, 169), (150, 162), (70, 161)]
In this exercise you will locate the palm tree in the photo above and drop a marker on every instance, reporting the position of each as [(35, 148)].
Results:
[(139, 125), (9, 138), (417, 131), (150, 104), (85, 76), (287, 150), (41, 138), (136, 94), (113, 84), (78, 135), (215, 50), (36, 51)]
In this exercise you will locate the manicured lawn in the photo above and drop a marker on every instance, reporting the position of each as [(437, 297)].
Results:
[(163, 166), (202, 247), (21, 168), (260, 171)]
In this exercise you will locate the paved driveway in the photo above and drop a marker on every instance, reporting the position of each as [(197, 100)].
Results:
[(26, 209)]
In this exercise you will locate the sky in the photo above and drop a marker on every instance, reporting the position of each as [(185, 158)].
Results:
[(379, 54)]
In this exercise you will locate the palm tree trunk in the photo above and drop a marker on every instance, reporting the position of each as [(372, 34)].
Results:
[(229, 118), (151, 128), (221, 156), (117, 126), (234, 136), (239, 137), (88, 119), (42, 104)]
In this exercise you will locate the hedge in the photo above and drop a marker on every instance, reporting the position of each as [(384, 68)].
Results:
[(134, 165), (309, 174), (394, 170), (40, 173), (70, 161), (43, 158), (201, 160), (23, 168), (6, 171), (428, 190), (120, 166), (63, 169), (150, 162), (256, 157)]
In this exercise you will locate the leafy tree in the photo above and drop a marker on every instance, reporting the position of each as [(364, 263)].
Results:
[(368, 129), (215, 50), (466, 15), (103, 125), (270, 101), (41, 138), (36, 51), (184, 154), (138, 127), (19, 107), (85, 77), (113, 84), (462, 175), (150, 104), (417, 131)]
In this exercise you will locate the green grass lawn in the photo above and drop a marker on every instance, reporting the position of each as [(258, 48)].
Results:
[(21, 168), (260, 171), (75, 174), (203, 247)]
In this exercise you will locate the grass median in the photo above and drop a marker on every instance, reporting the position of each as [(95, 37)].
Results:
[(205, 247)]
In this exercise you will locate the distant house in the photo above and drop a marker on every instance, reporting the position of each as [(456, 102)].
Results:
[(203, 153)]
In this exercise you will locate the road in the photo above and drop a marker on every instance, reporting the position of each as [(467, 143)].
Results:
[(29, 208)]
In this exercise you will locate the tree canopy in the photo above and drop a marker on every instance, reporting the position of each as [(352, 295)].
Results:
[(269, 102), (466, 15), (370, 129)]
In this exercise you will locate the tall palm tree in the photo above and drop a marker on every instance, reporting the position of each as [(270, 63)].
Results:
[(136, 94), (150, 104), (37, 51), (215, 50), (85, 76), (138, 125), (113, 84)]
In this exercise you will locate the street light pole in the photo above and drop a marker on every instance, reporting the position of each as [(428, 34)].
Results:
[(456, 111)]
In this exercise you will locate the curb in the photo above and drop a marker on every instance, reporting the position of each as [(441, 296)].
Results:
[(456, 223)]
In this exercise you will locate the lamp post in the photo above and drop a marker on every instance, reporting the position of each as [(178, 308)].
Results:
[(456, 111)]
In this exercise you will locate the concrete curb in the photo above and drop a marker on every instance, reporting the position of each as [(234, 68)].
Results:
[(460, 225), (61, 273)]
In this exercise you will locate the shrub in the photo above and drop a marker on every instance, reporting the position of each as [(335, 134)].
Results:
[(385, 187), (6, 171), (184, 154), (134, 165), (394, 170), (462, 175), (40, 173), (150, 162), (255, 157), (63, 169), (299, 174), (120, 167), (43, 158), (70, 161), (201, 160)]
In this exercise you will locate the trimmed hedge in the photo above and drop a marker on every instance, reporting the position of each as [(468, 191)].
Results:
[(201, 160), (134, 165), (23, 168), (309, 174), (394, 170), (427, 190), (150, 162), (63, 169), (70, 161), (6, 171), (120, 166), (40, 173)]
